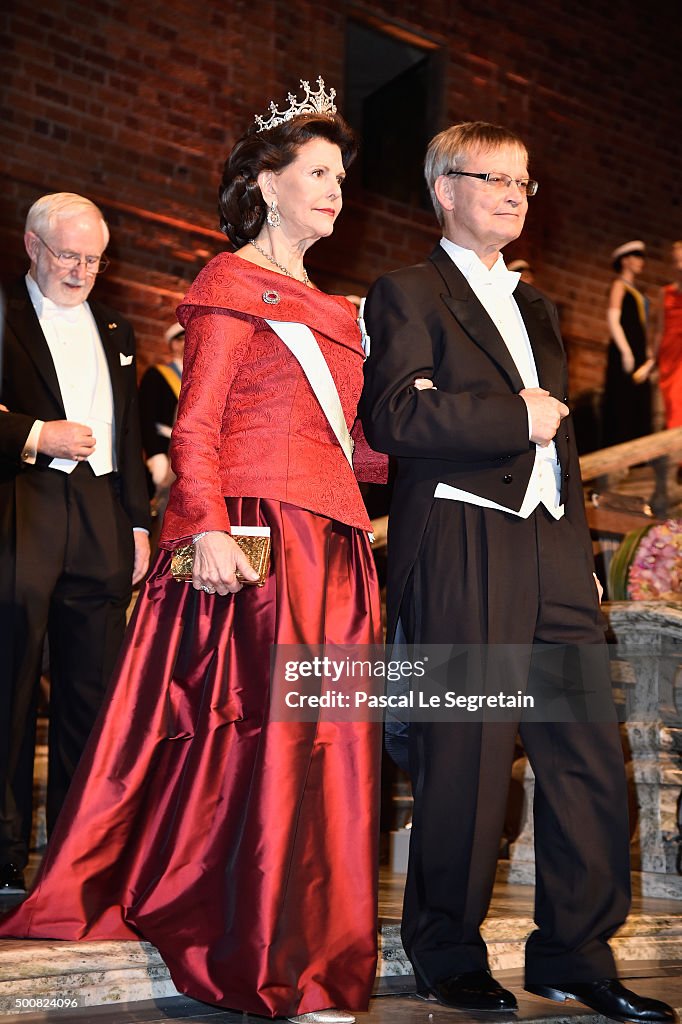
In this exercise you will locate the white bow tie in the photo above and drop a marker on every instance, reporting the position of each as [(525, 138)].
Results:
[(503, 281), (51, 311)]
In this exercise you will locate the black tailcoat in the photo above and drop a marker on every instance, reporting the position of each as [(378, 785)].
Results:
[(459, 574), (66, 560)]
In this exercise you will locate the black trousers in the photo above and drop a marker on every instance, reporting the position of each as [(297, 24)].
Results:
[(66, 559), (486, 577)]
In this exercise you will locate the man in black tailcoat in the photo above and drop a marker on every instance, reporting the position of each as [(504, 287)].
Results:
[(74, 509), (466, 385)]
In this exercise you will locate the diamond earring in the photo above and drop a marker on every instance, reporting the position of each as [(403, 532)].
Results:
[(273, 217)]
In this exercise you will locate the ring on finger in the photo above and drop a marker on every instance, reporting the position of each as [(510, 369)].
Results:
[(207, 590)]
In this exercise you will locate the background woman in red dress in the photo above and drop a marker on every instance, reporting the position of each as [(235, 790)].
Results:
[(242, 847), (670, 346)]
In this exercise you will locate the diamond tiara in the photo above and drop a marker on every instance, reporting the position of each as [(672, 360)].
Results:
[(318, 102)]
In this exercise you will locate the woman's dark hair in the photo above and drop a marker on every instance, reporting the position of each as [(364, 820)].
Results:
[(240, 201)]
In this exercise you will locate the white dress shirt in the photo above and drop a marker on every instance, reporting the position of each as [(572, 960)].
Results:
[(494, 290), (83, 375)]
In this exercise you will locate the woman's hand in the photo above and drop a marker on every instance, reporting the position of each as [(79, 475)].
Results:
[(424, 384), (627, 360), (217, 557), (643, 372)]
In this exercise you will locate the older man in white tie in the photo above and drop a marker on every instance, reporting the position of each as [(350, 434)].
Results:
[(74, 511), (488, 550)]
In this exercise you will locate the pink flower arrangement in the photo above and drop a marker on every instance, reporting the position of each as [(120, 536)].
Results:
[(655, 572)]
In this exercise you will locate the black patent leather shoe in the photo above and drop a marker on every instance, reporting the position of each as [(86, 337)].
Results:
[(608, 997), (11, 879), (474, 990)]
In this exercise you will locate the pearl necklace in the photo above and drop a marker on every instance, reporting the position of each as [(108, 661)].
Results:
[(304, 280)]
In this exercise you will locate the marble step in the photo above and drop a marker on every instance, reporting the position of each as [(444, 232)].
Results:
[(43, 975), (644, 937)]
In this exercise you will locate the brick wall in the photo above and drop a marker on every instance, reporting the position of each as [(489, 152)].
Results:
[(136, 104)]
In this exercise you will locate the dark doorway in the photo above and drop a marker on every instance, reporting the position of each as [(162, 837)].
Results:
[(393, 90)]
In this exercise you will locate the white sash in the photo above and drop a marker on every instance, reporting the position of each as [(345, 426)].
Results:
[(302, 344)]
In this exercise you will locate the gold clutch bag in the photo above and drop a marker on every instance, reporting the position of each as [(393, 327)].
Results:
[(254, 542)]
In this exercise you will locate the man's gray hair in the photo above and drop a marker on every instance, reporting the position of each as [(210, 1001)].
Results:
[(450, 149), (47, 210)]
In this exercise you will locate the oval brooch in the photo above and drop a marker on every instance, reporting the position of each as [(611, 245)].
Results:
[(271, 297)]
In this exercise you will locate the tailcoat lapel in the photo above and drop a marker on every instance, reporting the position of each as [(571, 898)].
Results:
[(547, 347), (473, 318), (24, 324), (461, 300)]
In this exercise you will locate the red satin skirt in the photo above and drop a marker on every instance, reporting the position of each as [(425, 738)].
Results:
[(243, 849)]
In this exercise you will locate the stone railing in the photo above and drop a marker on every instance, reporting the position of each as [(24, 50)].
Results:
[(646, 642)]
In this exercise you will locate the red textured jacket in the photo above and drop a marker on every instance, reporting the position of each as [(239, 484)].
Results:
[(249, 424)]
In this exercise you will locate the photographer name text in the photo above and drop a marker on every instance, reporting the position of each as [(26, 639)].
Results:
[(412, 699)]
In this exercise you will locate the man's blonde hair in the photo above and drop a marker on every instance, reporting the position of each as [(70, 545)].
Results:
[(450, 150)]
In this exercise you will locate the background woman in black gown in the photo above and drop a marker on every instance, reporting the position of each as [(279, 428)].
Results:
[(627, 391)]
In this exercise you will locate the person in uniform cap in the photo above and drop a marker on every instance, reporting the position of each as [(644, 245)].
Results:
[(634, 248)]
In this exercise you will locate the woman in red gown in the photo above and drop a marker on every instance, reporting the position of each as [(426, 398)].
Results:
[(242, 847)]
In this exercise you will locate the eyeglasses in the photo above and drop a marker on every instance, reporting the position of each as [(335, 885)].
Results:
[(93, 264), (500, 182)]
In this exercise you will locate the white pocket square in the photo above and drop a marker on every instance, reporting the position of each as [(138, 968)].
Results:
[(125, 360)]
